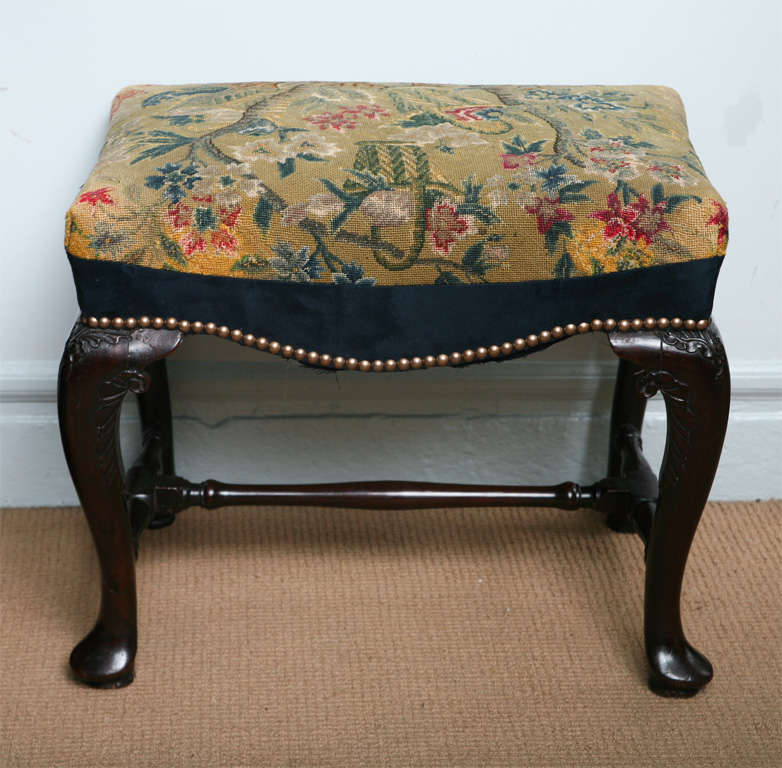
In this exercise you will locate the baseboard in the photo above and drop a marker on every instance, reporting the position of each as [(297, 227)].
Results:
[(525, 420)]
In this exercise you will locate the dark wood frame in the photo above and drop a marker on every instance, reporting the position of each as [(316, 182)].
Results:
[(688, 366)]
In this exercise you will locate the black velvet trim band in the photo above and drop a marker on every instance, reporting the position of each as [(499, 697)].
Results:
[(394, 321)]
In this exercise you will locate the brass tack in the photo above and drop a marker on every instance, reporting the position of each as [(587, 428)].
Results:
[(262, 343), (390, 365), (144, 321), (377, 365), (468, 355), (624, 325), (313, 357), (339, 362), (365, 365), (300, 353), (403, 363), (637, 324), (676, 322), (184, 326), (197, 326), (93, 322), (702, 324), (325, 360), (211, 328), (532, 340), (689, 324), (158, 322), (130, 323), (442, 359), (650, 323), (236, 335), (662, 323), (570, 329), (118, 322), (416, 362), (519, 344), (545, 337), (351, 363), (171, 323), (455, 358), (274, 347), (494, 351), (249, 339), (596, 324), (557, 331), (481, 353), (286, 350), (223, 331), (609, 324), (83, 320), (584, 327), (506, 348), (430, 361), (104, 322)]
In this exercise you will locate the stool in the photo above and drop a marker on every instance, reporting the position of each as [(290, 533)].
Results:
[(360, 227)]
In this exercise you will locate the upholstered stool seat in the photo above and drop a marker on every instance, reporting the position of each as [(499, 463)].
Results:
[(392, 227), (358, 221)]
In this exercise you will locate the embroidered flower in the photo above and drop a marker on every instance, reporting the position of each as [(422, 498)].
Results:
[(96, 196), (347, 118), (351, 274), (224, 241), (513, 161), (277, 150), (617, 218), (296, 266), (388, 208), (720, 219), (649, 220), (669, 172), (445, 225), (593, 254), (106, 241), (192, 243), (174, 179), (614, 161), (180, 216), (548, 211)]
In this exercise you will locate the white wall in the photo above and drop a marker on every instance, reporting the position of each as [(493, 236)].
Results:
[(61, 63)]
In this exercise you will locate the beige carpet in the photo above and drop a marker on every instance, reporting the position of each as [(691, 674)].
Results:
[(283, 637)]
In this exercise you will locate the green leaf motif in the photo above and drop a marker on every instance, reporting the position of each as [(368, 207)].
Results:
[(172, 250), (262, 215)]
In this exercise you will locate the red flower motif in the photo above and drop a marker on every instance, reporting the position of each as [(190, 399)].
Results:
[(346, 118), (97, 196), (180, 215), (548, 212), (511, 160), (445, 225), (224, 241), (618, 219), (468, 114), (229, 216), (202, 198), (191, 244), (720, 219), (649, 220)]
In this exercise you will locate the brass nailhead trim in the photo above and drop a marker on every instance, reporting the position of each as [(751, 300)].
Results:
[(338, 362)]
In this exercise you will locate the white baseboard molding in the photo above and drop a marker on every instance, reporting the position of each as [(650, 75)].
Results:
[(524, 421)]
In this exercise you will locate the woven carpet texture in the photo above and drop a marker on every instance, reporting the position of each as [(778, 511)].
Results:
[(311, 637)]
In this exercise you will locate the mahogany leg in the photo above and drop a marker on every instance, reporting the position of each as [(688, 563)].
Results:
[(690, 369), (155, 412), (99, 366), (627, 412)]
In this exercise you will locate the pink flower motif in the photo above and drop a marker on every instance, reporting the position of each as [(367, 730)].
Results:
[(346, 118), (224, 241), (470, 114), (618, 219), (548, 212), (720, 220), (97, 196), (511, 160), (191, 243), (649, 220), (445, 225)]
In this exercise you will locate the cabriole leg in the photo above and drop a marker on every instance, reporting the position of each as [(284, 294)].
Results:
[(690, 369), (99, 366)]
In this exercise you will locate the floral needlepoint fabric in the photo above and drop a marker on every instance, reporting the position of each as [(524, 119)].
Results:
[(397, 184)]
